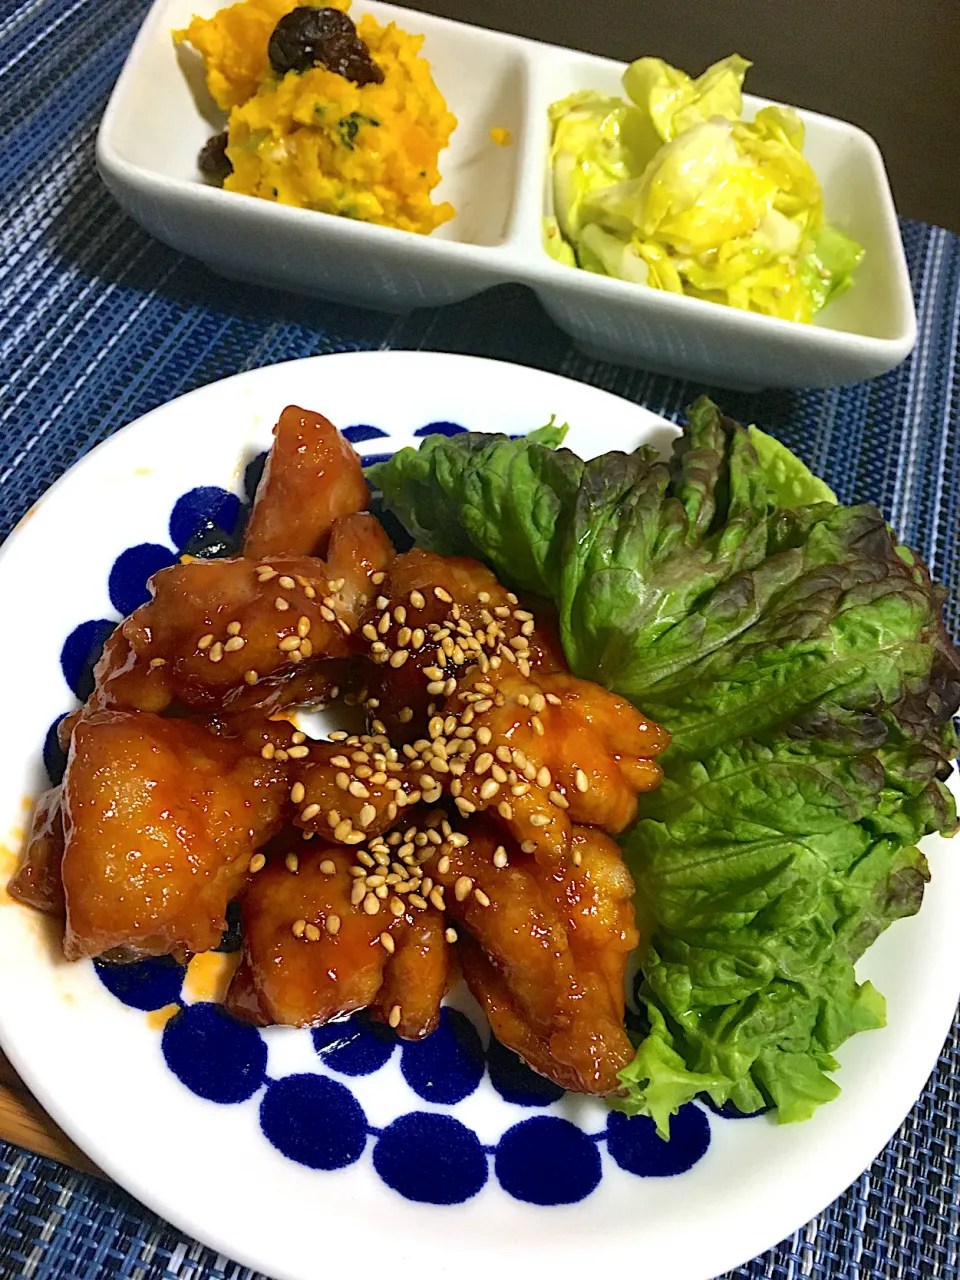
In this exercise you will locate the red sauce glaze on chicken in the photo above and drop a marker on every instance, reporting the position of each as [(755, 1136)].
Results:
[(463, 827)]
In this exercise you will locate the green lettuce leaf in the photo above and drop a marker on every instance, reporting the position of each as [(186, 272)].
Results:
[(482, 495), (790, 483), (798, 657)]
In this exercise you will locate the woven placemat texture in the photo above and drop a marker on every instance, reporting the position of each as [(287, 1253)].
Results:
[(99, 324)]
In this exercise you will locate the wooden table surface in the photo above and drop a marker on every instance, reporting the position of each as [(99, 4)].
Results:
[(24, 1121), (890, 66)]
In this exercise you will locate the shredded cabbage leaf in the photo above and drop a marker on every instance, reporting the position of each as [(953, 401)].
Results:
[(673, 189)]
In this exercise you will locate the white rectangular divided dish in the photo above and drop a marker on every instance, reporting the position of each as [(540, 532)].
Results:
[(160, 115)]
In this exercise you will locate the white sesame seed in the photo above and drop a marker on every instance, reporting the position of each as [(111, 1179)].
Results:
[(367, 815), (257, 863), (463, 888), (395, 1016), (309, 812), (216, 651), (297, 792)]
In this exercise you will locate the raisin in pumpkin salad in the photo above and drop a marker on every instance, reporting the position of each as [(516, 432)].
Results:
[(324, 114)]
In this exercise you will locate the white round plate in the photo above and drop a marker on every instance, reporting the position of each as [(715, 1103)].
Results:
[(97, 1064)]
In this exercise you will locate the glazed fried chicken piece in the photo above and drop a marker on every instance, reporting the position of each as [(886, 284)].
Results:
[(38, 882), (312, 477), (313, 952), (550, 750), (416, 976), (161, 820), (350, 790), (544, 951), (490, 713), (228, 634), (271, 730), (434, 617)]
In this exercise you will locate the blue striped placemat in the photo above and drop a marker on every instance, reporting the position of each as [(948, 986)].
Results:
[(98, 324)]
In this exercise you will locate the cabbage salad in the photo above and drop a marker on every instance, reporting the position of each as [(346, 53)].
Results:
[(672, 189)]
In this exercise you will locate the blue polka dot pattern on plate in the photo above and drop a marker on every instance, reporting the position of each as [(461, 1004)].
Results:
[(252, 473), (81, 650), (431, 1158), (373, 458), (362, 432), (516, 1082), (447, 1066), (131, 571), (54, 756), (546, 1160), (145, 984), (357, 1047), (439, 429), (207, 504), (730, 1112), (636, 1146), (216, 1057), (314, 1120)]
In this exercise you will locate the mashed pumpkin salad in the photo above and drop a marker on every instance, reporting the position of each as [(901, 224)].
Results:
[(324, 114)]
